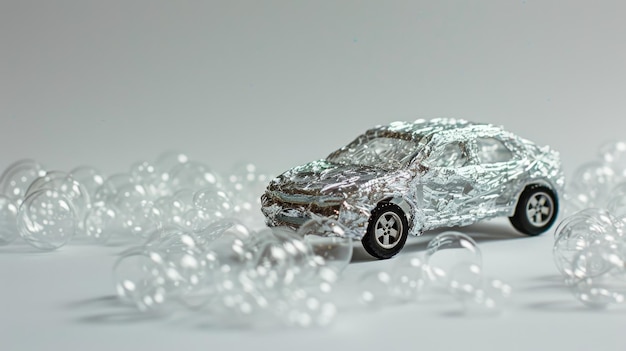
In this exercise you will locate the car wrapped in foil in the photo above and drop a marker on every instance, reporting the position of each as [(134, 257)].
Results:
[(406, 178)]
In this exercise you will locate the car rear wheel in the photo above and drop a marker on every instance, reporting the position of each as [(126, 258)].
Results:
[(386, 232), (536, 210)]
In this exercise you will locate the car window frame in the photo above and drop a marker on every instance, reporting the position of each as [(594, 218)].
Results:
[(503, 140)]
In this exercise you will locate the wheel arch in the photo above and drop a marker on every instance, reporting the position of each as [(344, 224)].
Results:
[(407, 207), (539, 182)]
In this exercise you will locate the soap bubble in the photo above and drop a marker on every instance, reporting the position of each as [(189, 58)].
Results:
[(447, 251), (8, 228), (614, 156), (214, 203), (574, 234), (193, 176), (301, 309), (245, 185), (375, 288), (328, 239), (276, 258), (90, 178), (69, 187), (598, 278), (590, 184), (488, 298), (231, 243), (135, 213), (111, 186), (17, 178), (47, 219), (189, 267), (616, 203), (47, 181), (479, 295), (100, 222), (464, 280), (407, 277), (140, 279), (143, 172), (168, 161)]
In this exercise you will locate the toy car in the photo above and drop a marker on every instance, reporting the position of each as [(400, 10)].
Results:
[(406, 178)]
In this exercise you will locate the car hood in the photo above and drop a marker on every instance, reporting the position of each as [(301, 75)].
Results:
[(322, 178)]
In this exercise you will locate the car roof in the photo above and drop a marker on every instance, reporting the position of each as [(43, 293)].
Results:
[(420, 129)]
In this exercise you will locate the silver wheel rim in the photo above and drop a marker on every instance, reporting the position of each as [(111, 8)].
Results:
[(388, 230), (539, 209)]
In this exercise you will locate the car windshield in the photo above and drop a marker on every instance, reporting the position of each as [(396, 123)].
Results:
[(381, 152)]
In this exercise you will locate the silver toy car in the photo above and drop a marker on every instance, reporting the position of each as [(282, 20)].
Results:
[(406, 178)]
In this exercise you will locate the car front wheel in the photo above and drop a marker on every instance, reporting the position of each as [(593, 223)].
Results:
[(536, 210), (386, 232)]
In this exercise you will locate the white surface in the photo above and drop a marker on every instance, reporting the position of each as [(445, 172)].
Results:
[(281, 84)]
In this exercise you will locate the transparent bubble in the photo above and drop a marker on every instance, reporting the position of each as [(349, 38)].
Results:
[(194, 176), (277, 257), (195, 220), (100, 223), (616, 203), (246, 183), (69, 187), (17, 178), (189, 267), (239, 302), (111, 186), (46, 219), (464, 280), (229, 227), (574, 234), (230, 240), (146, 174), (304, 310), (598, 278), (143, 172), (89, 177), (214, 203), (169, 160), (329, 240), (46, 181), (489, 298), (135, 213), (140, 279), (590, 185), (614, 156), (375, 288), (447, 251), (8, 227), (407, 277)]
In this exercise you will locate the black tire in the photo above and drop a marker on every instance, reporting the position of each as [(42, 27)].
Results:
[(393, 228), (536, 210)]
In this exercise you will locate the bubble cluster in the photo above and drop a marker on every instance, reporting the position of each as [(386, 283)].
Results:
[(50, 208), (590, 246), (451, 264), (228, 270), (599, 183), (589, 251)]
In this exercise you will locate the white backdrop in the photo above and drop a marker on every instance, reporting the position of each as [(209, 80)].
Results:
[(282, 83)]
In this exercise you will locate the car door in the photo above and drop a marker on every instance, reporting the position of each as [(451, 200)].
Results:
[(496, 166), (449, 182)]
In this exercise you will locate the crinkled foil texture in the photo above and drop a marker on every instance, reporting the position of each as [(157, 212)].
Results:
[(395, 162)]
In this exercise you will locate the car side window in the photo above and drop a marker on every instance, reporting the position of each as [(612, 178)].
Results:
[(449, 155), (492, 150)]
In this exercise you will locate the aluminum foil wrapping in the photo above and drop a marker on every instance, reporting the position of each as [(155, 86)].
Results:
[(442, 172)]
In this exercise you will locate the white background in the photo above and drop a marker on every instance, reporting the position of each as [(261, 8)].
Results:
[(283, 83)]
